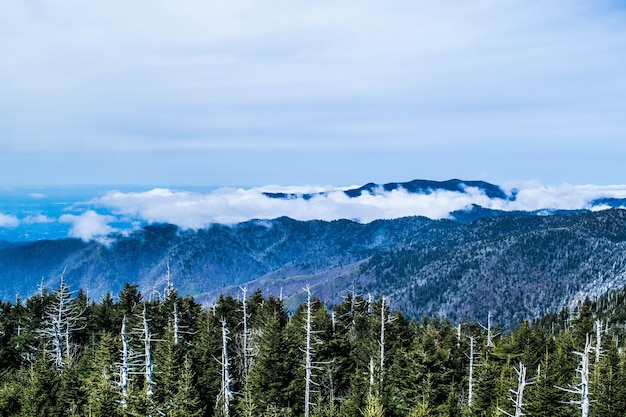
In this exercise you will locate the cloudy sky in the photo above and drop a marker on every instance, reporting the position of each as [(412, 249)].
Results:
[(249, 93)]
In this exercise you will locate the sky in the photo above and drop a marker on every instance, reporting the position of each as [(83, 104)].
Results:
[(117, 114), (247, 93)]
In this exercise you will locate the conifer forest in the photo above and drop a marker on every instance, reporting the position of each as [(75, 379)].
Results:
[(166, 355)]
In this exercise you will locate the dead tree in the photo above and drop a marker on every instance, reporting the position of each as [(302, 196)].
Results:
[(582, 389), (470, 383), (129, 365), (245, 335), (518, 401), (309, 354), (148, 365), (490, 335), (599, 334), (176, 323), (169, 286), (61, 321), (383, 320), (225, 395), (126, 364)]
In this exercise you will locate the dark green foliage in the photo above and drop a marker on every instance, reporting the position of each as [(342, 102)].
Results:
[(425, 371)]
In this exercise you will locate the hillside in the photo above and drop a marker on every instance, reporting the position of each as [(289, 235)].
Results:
[(515, 265)]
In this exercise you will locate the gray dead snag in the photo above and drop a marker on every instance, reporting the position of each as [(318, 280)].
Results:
[(61, 321), (490, 334), (582, 389), (148, 364), (600, 331), (245, 335), (225, 395), (470, 383), (518, 401)]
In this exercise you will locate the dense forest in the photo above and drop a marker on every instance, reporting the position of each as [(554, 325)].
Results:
[(165, 355)]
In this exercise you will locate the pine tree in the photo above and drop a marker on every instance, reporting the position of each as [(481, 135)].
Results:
[(40, 393), (373, 407), (186, 401), (273, 370), (607, 386), (167, 370), (103, 397)]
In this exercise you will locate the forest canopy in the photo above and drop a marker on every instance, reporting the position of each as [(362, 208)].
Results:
[(62, 354)]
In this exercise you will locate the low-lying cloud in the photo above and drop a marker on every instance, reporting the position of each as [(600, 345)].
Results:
[(89, 225), (228, 205), (7, 220), (122, 212)]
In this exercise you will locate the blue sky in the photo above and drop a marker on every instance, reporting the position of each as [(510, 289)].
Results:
[(248, 93)]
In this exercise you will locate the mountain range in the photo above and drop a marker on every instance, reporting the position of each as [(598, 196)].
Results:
[(515, 264)]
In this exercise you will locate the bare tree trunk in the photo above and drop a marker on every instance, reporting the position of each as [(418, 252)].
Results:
[(308, 357), (470, 387), (383, 320), (582, 389), (599, 333), (176, 324), (148, 365), (245, 335), (490, 335), (61, 320), (125, 364), (518, 401), (169, 286), (225, 393)]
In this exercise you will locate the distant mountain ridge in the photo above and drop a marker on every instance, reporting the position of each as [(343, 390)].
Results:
[(415, 187), (517, 265), (93, 213), (427, 187)]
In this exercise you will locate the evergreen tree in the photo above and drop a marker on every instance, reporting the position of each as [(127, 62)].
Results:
[(373, 407), (100, 385), (186, 401), (40, 394), (274, 370)]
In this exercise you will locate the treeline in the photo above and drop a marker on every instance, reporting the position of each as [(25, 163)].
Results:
[(64, 355)]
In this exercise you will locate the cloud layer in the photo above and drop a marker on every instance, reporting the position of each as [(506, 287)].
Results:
[(227, 205), (124, 211)]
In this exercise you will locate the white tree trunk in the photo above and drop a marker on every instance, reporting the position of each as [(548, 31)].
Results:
[(148, 365), (245, 334), (470, 387), (308, 357), (176, 324), (383, 320), (518, 401), (124, 365), (225, 391), (599, 333), (582, 389)]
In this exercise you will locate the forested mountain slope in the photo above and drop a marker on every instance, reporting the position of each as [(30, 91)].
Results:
[(516, 265)]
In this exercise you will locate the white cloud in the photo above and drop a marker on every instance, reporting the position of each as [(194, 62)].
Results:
[(565, 196), (9, 221), (38, 219), (89, 225), (228, 205)]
